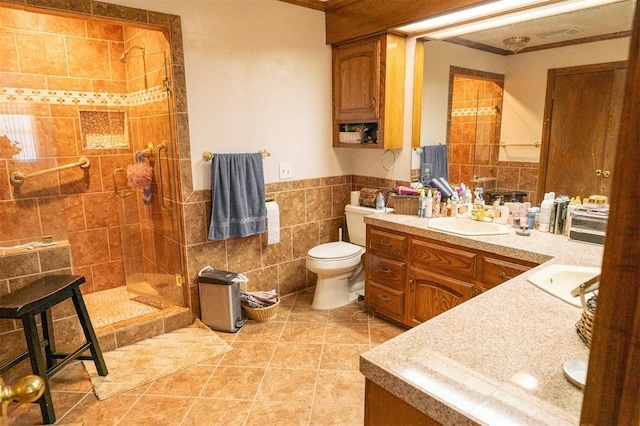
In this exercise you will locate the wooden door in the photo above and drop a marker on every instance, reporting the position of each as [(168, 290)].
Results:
[(582, 121), (432, 294), (356, 80)]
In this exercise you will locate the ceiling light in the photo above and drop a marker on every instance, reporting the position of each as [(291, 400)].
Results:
[(517, 43), (463, 26), (468, 14)]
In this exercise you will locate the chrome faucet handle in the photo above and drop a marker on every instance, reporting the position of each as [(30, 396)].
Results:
[(590, 285)]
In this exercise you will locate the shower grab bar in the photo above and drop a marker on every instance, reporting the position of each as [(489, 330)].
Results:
[(536, 144), (160, 147), (19, 177), (121, 194), (208, 155)]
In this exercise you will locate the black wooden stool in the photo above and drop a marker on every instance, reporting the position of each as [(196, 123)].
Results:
[(37, 298)]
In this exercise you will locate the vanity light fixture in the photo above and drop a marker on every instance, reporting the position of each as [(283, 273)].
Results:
[(516, 44), (458, 23)]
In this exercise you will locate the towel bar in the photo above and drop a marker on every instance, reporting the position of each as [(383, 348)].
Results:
[(208, 155)]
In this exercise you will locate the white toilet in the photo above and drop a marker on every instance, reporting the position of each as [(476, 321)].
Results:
[(340, 265)]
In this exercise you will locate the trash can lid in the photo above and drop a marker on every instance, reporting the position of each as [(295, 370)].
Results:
[(217, 276)]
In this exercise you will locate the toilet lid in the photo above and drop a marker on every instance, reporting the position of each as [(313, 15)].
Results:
[(337, 250)]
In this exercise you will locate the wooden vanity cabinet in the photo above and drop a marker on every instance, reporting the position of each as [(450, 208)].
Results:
[(412, 279), (385, 273), (368, 89)]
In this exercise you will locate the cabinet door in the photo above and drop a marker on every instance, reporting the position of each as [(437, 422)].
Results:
[(497, 271), (386, 243), (356, 80), (432, 294)]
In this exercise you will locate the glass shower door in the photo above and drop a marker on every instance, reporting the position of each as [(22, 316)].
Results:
[(150, 218)]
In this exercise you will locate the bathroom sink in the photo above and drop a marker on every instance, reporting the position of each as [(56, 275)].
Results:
[(559, 280), (466, 226)]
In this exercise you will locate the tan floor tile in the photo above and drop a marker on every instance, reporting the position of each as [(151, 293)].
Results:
[(341, 357), (157, 410), (72, 378), (260, 331), (380, 333), (351, 313), (288, 385), (91, 411), (29, 414), (279, 414), (217, 412), (297, 355), (337, 414), (348, 333), (344, 386), (303, 332), (234, 383), (303, 313), (188, 382), (249, 354), (227, 337)]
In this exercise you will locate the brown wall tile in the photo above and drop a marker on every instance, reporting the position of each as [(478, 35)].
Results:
[(304, 238), (277, 253), (244, 254), (19, 264)]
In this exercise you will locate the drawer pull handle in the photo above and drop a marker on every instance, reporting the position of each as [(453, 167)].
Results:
[(385, 270), (504, 275), (386, 243), (385, 298)]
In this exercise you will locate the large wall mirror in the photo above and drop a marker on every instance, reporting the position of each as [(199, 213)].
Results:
[(486, 104)]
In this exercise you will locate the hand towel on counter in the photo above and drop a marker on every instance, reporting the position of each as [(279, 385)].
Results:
[(237, 196), (273, 223), (437, 156)]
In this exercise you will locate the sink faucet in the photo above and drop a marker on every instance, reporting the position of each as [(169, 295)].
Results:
[(591, 284)]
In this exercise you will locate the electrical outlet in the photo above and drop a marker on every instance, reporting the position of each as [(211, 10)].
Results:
[(286, 171)]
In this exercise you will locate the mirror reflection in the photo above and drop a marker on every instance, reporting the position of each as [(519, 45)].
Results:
[(486, 105)]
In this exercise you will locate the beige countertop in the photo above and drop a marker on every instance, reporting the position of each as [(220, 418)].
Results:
[(496, 359)]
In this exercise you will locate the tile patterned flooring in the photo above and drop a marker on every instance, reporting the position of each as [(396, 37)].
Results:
[(299, 369)]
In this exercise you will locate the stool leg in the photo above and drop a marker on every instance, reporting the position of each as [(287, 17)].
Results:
[(39, 367), (47, 333), (89, 334)]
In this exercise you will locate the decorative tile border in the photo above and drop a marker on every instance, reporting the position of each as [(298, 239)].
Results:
[(72, 97), (465, 112)]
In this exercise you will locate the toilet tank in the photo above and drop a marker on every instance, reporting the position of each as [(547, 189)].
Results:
[(355, 222)]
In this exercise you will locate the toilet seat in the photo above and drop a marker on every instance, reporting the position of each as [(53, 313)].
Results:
[(335, 251)]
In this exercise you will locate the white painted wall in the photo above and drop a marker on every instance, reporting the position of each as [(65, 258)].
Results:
[(258, 76)]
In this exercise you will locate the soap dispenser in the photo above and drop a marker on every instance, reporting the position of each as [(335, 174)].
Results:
[(380, 201)]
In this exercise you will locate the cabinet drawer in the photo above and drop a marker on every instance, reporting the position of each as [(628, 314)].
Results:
[(389, 272), (387, 244), (443, 260), (497, 271), (385, 300)]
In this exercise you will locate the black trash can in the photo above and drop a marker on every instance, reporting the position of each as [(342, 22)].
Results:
[(220, 300)]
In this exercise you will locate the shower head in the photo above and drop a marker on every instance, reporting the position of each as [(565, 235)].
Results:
[(123, 57)]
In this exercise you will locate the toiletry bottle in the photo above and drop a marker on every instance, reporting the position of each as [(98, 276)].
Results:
[(436, 205), (380, 201), (428, 207), (421, 204), (545, 212)]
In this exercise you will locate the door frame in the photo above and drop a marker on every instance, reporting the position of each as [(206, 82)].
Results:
[(548, 109)]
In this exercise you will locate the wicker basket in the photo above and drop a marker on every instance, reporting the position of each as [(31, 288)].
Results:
[(584, 326), (262, 314)]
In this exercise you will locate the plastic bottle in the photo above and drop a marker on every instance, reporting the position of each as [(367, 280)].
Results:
[(380, 201), (545, 211), (428, 208), (421, 204)]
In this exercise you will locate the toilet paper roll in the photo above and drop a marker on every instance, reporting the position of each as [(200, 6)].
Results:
[(273, 223), (355, 198)]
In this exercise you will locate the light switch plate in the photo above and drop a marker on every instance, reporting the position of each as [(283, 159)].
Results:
[(286, 171)]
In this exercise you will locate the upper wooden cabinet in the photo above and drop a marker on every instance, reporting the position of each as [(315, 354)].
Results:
[(368, 92)]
